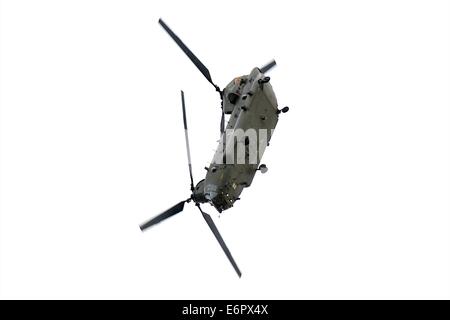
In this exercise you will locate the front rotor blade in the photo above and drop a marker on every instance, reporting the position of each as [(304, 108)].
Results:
[(219, 238), (163, 216), (186, 137), (268, 66), (188, 52)]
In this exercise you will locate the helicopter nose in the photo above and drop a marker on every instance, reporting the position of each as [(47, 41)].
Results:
[(219, 201)]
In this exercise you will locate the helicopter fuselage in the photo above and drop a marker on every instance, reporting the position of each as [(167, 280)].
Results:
[(252, 105)]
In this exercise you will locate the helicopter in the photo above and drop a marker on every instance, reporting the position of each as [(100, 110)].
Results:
[(251, 103)]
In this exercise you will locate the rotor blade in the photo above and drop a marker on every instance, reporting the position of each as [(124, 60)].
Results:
[(268, 66), (188, 149), (188, 52), (163, 216), (222, 122), (216, 233)]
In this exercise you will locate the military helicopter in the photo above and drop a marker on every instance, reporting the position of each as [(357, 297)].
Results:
[(252, 106)]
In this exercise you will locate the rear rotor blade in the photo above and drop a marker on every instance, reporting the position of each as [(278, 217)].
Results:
[(268, 66), (163, 216), (222, 122), (219, 238), (186, 137), (189, 53)]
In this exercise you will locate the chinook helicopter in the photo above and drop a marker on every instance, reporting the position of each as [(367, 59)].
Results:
[(252, 106)]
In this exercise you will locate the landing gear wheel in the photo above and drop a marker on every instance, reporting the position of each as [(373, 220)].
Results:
[(263, 168)]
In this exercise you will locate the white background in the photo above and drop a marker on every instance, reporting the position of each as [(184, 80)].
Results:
[(356, 200)]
